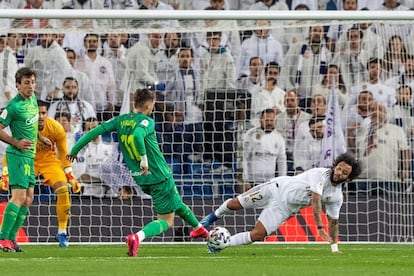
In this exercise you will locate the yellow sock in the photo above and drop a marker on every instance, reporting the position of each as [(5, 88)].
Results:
[(62, 207)]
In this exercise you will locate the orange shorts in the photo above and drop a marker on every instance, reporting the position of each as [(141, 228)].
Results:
[(51, 171)]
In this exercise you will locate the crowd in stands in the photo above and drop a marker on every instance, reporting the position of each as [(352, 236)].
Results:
[(288, 74)]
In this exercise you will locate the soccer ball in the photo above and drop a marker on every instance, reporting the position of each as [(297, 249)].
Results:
[(218, 239)]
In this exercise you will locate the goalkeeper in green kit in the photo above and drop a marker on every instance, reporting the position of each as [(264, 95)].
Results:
[(139, 146)]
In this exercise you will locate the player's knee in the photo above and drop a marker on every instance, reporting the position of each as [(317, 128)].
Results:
[(28, 201)]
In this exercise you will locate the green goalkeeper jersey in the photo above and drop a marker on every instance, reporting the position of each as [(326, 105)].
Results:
[(136, 135), (22, 115)]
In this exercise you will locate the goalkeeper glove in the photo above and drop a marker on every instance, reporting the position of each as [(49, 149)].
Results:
[(76, 186), (4, 182)]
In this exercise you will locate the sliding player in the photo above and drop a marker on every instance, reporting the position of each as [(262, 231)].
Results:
[(282, 197)]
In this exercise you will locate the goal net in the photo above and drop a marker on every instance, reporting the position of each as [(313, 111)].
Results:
[(241, 97)]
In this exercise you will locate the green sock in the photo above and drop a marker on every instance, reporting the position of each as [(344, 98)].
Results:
[(186, 214), (19, 222), (155, 228), (9, 219)]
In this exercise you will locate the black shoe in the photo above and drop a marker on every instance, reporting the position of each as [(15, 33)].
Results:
[(17, 247)]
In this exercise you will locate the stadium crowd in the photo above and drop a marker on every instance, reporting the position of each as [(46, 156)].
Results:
[(286, 73)]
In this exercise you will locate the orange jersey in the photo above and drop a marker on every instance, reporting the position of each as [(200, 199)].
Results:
[(54, 131)]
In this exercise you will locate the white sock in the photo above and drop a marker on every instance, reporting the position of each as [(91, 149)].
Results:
[(198, 226), (141, 235), (62, 231), (240, 238), (223, 210)]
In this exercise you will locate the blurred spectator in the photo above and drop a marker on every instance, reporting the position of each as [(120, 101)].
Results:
[(306, 65), (383, 150), (407, 78), (394, 57), (260, 44), (90, 159), (166, 58), (82, 5), (39, 23), (264, 152), (287, 124), (78, 109), (335, 31), (228, 39), (270, 5), (294, 35), (387, 30), (71, 132), (307, 148), (318, 109), (357, 117), (370, 43), (8, 69), (333, 76), (15, 4), (84, 84), (116, 53), (49, 62), (253, 81), (401, 114), (74, 36), (141, 63), (217, 66), (101, 75), (353, 61), (382, 93), (17, 44), (183, 94), (5, 22), (159, 5), (271, 96), (217, 72)]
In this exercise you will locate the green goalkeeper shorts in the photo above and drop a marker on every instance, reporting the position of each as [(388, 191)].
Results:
[(165, 196)]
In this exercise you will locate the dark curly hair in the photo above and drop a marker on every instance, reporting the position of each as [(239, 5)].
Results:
[(349, 158)]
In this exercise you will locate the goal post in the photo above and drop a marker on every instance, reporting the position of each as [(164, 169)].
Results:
[(202, 129)]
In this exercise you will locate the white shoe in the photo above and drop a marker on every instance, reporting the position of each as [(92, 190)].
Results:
[(221, 170)]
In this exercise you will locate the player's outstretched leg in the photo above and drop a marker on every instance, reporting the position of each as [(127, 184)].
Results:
[(132, 241), (62, 238)]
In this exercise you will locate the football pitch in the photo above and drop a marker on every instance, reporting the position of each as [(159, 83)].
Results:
[(193, 259)]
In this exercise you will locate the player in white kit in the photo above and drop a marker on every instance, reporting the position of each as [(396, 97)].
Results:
[(282, 197)]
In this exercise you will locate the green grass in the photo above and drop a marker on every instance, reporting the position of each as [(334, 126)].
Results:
[(192, 259)]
